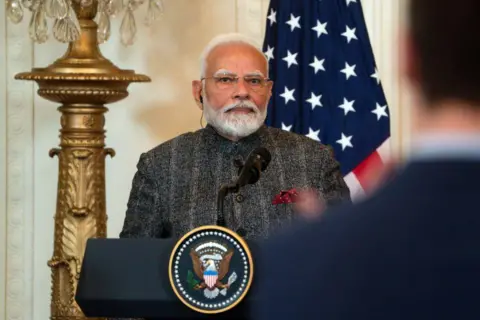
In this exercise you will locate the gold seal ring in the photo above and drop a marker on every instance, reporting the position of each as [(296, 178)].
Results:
[(211, 269)]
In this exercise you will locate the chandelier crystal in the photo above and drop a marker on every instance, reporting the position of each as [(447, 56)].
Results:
[(66, 27)]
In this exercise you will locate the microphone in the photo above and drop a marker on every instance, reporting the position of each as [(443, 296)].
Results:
[(257, 162)]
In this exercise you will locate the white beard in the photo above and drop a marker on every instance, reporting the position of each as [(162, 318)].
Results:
[(232, 124)]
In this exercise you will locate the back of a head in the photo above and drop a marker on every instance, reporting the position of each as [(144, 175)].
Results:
[(444, 35)]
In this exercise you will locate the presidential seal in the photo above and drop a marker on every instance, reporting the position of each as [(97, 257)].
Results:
[(211, 269)]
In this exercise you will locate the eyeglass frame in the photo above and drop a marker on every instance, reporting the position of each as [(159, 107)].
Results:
[(237, 78)]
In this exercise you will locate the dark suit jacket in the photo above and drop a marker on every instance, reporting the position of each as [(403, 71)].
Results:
[(412, 251), (176, 185)]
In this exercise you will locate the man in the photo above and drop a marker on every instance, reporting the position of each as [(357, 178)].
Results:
[(411, 251), (176, 185)]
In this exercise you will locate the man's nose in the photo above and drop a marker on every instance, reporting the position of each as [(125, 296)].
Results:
[(241, 90)]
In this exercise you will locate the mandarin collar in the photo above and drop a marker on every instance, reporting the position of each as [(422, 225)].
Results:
[(210, 131)]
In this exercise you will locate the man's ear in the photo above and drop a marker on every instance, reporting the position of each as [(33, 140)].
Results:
[(408, 57), (197, 93)]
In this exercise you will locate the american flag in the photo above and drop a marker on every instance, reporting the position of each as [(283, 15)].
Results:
[(326, 83)]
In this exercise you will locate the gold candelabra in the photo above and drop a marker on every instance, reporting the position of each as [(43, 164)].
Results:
[(82, 82)]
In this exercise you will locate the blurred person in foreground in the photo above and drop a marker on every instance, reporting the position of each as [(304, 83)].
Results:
[(411, 250), (175, 187)]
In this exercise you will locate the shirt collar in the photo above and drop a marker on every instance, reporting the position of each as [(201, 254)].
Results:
[(446, 146)]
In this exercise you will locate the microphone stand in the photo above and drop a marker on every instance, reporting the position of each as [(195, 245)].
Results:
[(249, 174), (222, 193)]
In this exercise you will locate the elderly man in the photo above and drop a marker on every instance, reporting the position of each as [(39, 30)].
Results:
[(176, 185)]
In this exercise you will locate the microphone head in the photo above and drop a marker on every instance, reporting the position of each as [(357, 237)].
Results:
[(263, 155), (257, 161)]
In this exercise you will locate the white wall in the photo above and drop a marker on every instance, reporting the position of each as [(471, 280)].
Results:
[(384, 19), (153, 113), (3, 165), (16, 154)]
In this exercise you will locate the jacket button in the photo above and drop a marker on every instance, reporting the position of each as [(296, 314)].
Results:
[(239, 198), (238, 162)]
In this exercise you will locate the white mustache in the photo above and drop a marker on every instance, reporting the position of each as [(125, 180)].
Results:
[(243, 104)]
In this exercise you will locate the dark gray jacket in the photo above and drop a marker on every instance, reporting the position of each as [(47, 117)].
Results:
[(176, 185)]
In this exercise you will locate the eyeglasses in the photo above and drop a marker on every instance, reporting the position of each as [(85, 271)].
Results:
[(229, 82)]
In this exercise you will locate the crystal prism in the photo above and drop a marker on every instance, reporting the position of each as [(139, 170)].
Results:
[(154, 12), (128, 28), (35, 5), (38, 28), (103, 31), (56, 9), (67, 29), (134, 4), (27, 4), (114, 7), (14, 11)]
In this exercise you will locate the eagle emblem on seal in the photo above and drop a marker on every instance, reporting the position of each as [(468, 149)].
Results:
[(211, 267)]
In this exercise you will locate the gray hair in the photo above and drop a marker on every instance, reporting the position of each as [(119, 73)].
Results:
[(225, 39)]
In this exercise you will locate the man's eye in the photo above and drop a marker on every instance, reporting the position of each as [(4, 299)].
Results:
[(254, 81), (225, 80)]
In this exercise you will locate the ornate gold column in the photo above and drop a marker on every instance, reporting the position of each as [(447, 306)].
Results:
[(82, 81)]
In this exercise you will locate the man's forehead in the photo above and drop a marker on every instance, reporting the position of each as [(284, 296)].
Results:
[(237, 65), (239, 59)]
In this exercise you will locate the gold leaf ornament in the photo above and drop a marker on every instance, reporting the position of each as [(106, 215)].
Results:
[(76, 232)]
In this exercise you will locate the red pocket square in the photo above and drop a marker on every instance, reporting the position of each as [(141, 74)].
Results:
[(285, 196)]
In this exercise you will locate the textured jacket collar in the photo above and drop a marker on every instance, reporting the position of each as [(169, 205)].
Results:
[(210, 131)]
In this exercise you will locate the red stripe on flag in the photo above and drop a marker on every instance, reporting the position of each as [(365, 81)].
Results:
[(368, 169)]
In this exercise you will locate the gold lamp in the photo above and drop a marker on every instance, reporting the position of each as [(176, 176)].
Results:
[(82, 82)]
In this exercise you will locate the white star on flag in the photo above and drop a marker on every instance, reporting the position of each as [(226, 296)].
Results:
[(376, 76), (315, 100), (345, 141), (350, 34), (313, 134), (269, 53), (349, 70), (294, 22), (380, 111), (320, 28), (286, 128), (347, 106), (290, 58), (288, 95), (317, 64), (272, 17)]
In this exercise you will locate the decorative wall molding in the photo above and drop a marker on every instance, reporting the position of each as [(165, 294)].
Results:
[(20, 218), (3, 164)]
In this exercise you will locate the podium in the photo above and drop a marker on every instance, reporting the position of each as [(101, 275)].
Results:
[(129, 278), (208, 273)]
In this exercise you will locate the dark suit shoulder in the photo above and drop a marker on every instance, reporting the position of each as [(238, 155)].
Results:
[(182, 141), (406, 241)]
